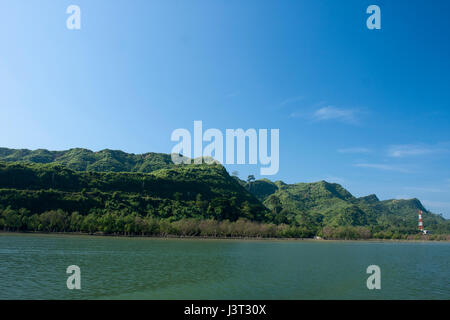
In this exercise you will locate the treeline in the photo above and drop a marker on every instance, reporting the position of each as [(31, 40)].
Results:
[(118, 224), (357, 233), (97, 202)]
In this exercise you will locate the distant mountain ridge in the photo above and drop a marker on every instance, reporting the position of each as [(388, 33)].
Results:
[(151, 184), (323, 203), (79, 159)]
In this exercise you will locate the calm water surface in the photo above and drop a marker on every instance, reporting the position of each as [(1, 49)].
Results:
[(34, 267)]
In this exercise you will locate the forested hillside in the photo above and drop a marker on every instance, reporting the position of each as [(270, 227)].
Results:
[(86, 160), (321, 204), (118, 193)]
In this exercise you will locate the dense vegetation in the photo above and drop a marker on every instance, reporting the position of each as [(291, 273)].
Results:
[(86, 160), (112, 192), (200, 191), (322, 204)]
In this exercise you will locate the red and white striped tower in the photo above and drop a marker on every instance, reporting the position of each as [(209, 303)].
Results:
[(420, 221)]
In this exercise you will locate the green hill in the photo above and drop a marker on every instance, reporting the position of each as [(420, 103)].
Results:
[(86, 160), (116, 192), (322, 204), (182, 191)]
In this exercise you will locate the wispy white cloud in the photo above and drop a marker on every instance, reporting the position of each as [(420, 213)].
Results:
[(290, 101), (406, 150), (381, 166), (322, 111), (338, 114), (354, 150)]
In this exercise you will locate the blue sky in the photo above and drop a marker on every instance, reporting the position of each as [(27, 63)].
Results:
[(365, 108)]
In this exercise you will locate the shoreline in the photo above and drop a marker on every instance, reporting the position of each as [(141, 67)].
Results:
[(168, 237)]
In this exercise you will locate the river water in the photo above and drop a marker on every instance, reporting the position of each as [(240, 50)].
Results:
[(34, 267)]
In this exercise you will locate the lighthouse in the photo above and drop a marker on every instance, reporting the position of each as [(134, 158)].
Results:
[(421, 224), (420, 221)]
